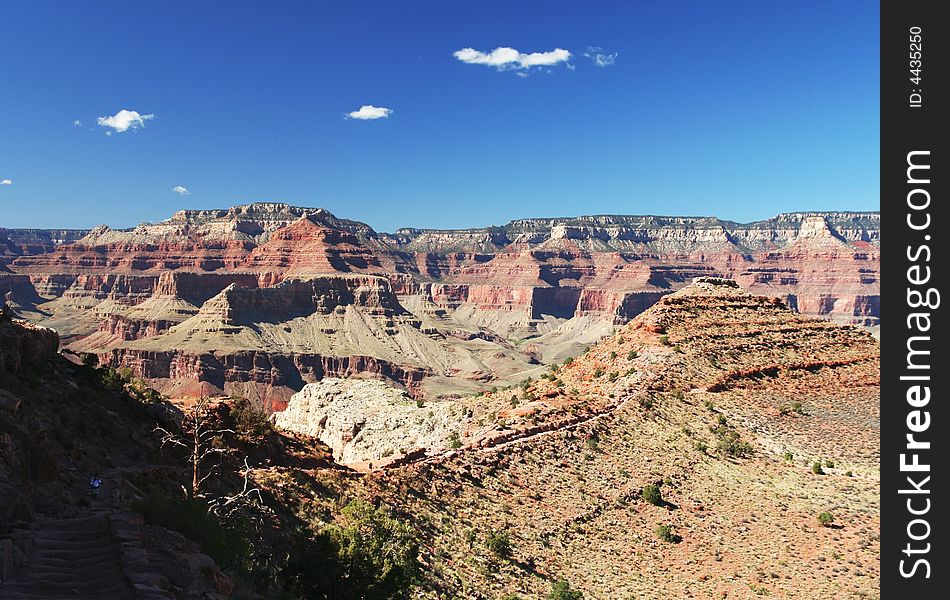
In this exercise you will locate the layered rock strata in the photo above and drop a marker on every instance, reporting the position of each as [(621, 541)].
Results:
[(461, 310)]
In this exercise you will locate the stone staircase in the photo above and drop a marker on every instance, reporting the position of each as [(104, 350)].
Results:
[(94, 557), (71, 558)]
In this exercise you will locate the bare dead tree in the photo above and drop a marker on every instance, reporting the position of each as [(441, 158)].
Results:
[(227, 507), (197, 435)]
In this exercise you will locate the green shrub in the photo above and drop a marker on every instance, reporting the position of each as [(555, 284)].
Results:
[(454, 442), (375, 554), (830, 463), (499, 544), (115, 379), (788, 456), (665, 533), (665, 340), (562, 591), (701, 446), (250, 418), (631, 355), (593, 441), (651, 493), (816, 468), (613, 355), (568, 361), (826, 519), (732, 445)]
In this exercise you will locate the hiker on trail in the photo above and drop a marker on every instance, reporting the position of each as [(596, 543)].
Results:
[(94, 484)]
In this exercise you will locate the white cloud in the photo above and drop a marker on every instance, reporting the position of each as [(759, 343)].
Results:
[(181, 190), (599, 57), (77, 123), (6, 182), (369, 112), (504, 58), (124, 120)]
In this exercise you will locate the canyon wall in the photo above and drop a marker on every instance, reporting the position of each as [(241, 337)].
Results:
[(277, 295)]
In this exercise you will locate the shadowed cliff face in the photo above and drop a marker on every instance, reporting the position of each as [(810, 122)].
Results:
[(467, 309)]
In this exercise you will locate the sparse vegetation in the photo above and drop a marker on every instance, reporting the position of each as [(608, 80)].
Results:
[(115, 379), (816, 468), (788, 456), (829, 463), (631, 355), (665, 340), (593, 440), (826, 519), (499, 544), (793, 408), (731, 443), (561, 590), (251, 421), (454, 442), (665, 533), (651, 493)]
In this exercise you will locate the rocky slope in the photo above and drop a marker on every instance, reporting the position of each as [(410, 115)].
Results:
[(723, 400), (60, 423), (467, 310)]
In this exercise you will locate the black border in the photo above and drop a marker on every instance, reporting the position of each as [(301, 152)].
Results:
[(904, 129)]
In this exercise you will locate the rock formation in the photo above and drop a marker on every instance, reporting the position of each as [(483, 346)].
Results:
[(22, 344), (369, 421), (215, 300)]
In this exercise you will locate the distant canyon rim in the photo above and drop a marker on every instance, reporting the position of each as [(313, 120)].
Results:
[(258, 300)]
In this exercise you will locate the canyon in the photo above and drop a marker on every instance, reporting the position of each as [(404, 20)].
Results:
[(717, 446), (261, 299)]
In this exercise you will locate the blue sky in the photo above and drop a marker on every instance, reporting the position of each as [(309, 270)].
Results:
[(735, 109)]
